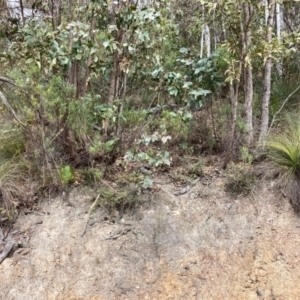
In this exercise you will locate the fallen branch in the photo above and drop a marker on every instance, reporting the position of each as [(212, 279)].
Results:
[(280, 109), (5, 102), (187, 188), (8, 80), (7, 248), (120, 233), (89, 213)]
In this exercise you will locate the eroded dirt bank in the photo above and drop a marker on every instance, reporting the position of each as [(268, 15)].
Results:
[(201, 245)]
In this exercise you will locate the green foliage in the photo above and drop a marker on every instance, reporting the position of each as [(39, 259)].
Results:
[(175, 124), (112, 64), (246, 157), (283, 88), (191, 79), (102, 148), (67, 175), (134, 118), (92, 176), (159, 158), (12, 141)]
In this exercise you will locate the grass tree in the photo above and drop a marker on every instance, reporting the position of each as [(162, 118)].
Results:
[(284, 152)]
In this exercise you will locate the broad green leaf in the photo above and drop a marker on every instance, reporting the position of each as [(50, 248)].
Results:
[(78, 57), (187, 85), (173, 91), (184, 50)]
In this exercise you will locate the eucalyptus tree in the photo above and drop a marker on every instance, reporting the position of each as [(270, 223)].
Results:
[(270, 12), (245, 29)]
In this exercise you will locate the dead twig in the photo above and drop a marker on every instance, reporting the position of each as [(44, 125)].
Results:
[(280, 109), (187, 188), (5, 102), (8, 80), (9, 244), (89, 213), (109, 186), (120, 233)]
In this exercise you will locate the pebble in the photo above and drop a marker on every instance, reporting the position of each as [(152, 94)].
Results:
[(25, 251)]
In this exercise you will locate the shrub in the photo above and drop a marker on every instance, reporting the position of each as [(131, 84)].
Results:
[(67, 175), (176, 124), (284, 153)]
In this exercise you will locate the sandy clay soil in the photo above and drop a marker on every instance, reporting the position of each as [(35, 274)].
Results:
[(200, 245)]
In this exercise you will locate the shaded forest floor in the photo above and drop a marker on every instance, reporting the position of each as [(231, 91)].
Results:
[(204, 244)]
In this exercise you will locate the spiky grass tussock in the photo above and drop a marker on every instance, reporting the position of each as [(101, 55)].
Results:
[(284, 152), (10, 187), (12, 169)]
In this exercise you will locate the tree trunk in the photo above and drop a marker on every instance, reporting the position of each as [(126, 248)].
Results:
[(58, 13), (278, 34), (207, 39), (89, 61), (248, 105), (267, 78), (22, 11), (248, 77), (202, 36), (234, 93)]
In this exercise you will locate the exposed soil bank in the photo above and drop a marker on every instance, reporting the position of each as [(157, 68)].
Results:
[(201, 245)]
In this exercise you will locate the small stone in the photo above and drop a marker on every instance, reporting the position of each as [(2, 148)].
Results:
[(219, 182), (253, 278), (262, 273), (25, 251)]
